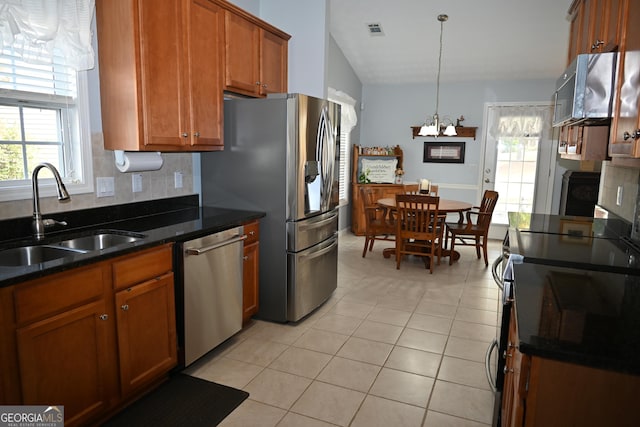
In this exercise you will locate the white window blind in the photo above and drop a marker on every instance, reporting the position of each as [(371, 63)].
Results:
[(349, 119), (40, 109)]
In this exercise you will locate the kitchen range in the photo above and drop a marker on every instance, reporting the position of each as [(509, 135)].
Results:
[(570, 319)]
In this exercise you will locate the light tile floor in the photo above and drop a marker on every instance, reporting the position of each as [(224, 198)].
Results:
[(390, 348)]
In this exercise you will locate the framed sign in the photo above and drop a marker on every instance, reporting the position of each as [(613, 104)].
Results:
[(379, 171), (443, 152)]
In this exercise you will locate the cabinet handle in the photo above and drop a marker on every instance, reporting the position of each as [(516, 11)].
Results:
[(597, 44), (125, 307), (507, 370), (634, 135), (505, 354), (185, 134), (252, 233), (245, 258), (264, 86), (257, 83), (103, 316), (197, 134)]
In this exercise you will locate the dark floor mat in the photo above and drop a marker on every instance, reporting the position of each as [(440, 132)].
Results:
[(181, 401)]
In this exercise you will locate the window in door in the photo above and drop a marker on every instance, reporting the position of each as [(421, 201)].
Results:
[(517, 161)]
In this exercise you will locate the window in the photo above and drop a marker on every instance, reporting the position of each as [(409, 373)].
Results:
[(43, 118), (348, 121)]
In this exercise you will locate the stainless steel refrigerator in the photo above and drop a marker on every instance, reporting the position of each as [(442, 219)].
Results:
[(281, 157)]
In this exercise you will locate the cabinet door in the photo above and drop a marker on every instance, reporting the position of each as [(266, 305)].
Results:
[(146, 328), (604, 25), (164, 98), (65, 360), (273, 63), (205, 73), (242, 43), (625, 126), (250, 290)]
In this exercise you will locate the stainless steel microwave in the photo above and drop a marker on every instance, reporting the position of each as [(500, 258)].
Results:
[(585, 91)]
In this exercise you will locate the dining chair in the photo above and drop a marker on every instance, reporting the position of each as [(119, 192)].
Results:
[(475, 231), (378, 224), (415, 189), (411, 188), (419, 228)]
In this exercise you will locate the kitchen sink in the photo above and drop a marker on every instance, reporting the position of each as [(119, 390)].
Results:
[(27, 255), (100, 240), (24, 256)]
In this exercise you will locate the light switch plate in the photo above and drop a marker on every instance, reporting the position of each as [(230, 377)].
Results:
[(177, 179), (619, 196), (105, 186), (136, 182)]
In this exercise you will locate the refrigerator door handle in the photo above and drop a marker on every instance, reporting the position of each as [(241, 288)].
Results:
[(321, 252), (310, 225), (325, 153)]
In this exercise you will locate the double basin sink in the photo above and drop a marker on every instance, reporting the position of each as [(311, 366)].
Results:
[(24, 256)]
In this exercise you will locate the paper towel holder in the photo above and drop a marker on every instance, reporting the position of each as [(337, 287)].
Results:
[(135, 161)]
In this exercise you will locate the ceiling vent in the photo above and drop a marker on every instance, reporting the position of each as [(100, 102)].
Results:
[(375, 29)]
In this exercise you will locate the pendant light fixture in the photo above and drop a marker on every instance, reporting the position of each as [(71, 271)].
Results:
[(433, 128)]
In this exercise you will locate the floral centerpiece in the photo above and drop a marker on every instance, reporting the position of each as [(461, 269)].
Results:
[(399, 174)]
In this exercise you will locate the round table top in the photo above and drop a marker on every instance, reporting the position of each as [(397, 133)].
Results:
[(445, 205)]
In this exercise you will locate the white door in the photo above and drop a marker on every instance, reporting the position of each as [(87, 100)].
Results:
[(519, 160)]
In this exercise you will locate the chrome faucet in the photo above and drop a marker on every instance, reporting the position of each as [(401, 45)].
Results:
[(39, 224)]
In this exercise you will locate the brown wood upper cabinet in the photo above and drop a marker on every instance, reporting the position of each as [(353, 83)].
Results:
[(594, 26), (255, 56), (160, 74), (624, 140)]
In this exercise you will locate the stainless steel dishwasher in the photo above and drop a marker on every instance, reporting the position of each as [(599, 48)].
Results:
[(212, 291)]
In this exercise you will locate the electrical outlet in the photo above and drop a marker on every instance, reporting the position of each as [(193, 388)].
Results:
[(136, 182), (177, 179), (619, 196), (105, 186)]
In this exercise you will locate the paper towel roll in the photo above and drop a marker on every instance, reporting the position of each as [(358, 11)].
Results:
[(131, 161)]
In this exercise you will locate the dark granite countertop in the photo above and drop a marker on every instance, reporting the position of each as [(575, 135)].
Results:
[(579, 316), (161, 221)]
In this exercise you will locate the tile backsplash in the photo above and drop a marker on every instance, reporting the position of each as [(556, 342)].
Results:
[(155, 184)]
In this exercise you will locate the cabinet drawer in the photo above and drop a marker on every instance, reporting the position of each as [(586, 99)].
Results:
[(252, 230), (141, 266), (53, 294)]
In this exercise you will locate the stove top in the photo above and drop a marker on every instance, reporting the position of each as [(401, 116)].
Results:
[(599, 244)]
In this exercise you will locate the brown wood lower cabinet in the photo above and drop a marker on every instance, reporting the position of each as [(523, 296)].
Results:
[(82, 343), (541, 392), (145, 316), (250, 278)]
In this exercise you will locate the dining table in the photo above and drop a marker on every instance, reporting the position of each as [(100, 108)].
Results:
[(446, 206)]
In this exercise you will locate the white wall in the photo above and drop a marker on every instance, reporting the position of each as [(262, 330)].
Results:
[(308, 24), (390, 110)]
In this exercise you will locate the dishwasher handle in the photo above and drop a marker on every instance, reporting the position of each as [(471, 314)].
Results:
[(200, 251)]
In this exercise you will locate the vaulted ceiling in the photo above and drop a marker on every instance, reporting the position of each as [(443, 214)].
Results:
[(482, 39)]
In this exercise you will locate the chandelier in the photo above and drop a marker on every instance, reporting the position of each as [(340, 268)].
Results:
[(432, 128)]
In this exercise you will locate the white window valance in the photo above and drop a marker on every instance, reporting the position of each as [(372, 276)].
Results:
[(35, 28), (349, 116), (522, 121)]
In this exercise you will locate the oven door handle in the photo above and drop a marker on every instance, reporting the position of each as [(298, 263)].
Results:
[(200, 251), (487, 364), (494, 271)]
